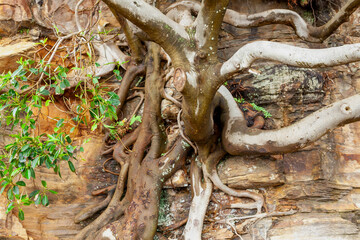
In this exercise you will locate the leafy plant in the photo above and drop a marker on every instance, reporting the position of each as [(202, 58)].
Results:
[(255, 107), (27, 151), (261, 109)]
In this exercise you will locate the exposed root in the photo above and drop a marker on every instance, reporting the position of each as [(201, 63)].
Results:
[(113, 211), (258, 198), (170, 98), (122, 145), (183, 135), (137, 94), (251, 219), (106, 170), (103, 190), (198, 206), (92, 209), (176, 225)]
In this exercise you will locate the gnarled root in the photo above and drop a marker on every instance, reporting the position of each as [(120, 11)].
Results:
[(92, 209), (114, 210)]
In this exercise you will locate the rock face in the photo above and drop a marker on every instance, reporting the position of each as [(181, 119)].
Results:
[(320, 182)]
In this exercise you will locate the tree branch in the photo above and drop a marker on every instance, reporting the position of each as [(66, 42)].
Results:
[(208, 24), (168, 34), (291, 55), (274, 16), (284, 16), (239, 139), (340, 17), (291, 18)]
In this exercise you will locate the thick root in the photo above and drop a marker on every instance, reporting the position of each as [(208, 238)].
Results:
[(200, 201), (91, 210)]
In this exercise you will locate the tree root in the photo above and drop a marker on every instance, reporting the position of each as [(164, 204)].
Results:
[(103, 190), (92, 209), (258, 198), (251, 219), (106, 170), (176, 225), (199, 203), (114, 210)]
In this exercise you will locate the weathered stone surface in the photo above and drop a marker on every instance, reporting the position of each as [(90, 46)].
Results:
[(302, 166), (314, 226), (12, 14), (10, 53), (285, 83), (249, 172)]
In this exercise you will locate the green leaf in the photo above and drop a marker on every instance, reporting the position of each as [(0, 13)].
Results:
[(81, 149), (21, 215), (59, 123), (47, 102), (56, 29), (16, 190), (52, 191), (134, 119), (45, 200), (34, 193), (93, 127), (25, 147), (35, 162), (45, 92), (66, 82), (24, 87), (63, 85), (10, 194), (21, 183), (2, 189), (43, 183), (27, 173), (70, 148), (58, 90), (10, 207), (38, 200), (71, 166)]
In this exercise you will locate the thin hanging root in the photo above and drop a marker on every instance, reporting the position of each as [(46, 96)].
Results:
[(258, 198), (170, 98), (183, 135), (92, 209), (251, 219), (123, 144), (142, 97), (106, 170)]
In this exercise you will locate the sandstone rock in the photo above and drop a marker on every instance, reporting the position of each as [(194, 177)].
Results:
[(12, 14), (10, 53), (314, 226), (250, 172)]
